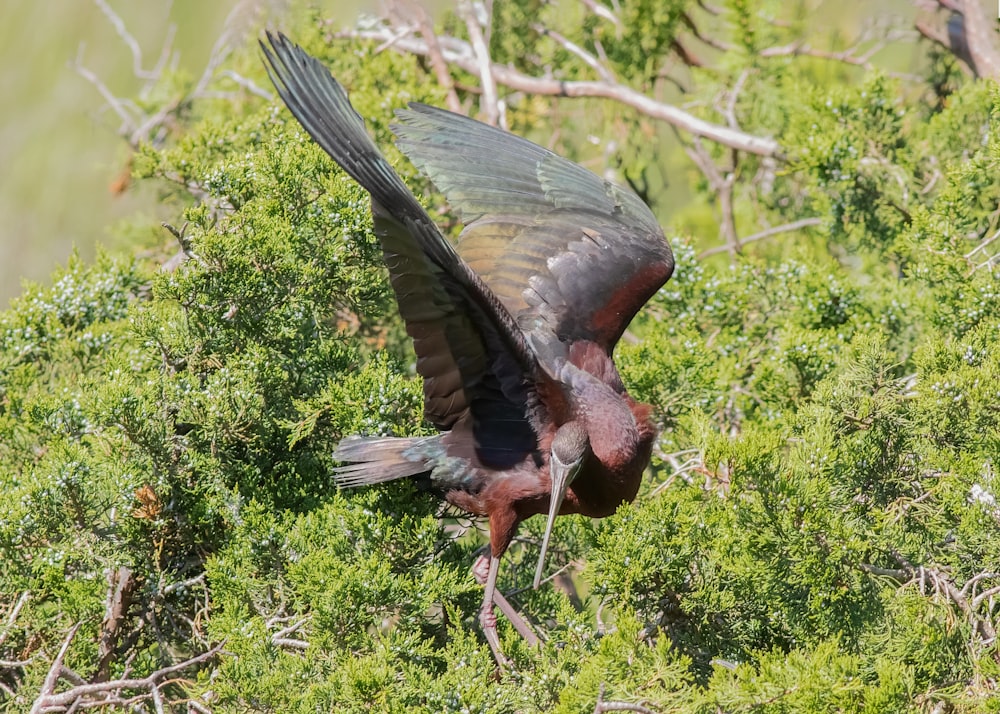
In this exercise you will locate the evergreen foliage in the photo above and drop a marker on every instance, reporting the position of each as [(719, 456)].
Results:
[(819, 530)]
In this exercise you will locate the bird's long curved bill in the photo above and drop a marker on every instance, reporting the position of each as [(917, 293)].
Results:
[(562, 476)]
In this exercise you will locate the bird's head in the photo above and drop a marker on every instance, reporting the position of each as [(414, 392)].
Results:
[(569, 449)]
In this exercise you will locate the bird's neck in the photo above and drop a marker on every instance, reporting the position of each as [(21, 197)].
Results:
[(619, 429)]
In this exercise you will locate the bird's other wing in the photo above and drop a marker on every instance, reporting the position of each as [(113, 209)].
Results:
[(567, 252), (469, 362)]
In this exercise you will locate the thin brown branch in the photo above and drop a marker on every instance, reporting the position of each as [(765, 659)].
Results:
[(121, 584), (459, 53), (689, 23), (438, 62), (981, 39), (767, 233), (687, 56)]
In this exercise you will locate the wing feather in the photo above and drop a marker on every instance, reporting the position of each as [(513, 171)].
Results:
[(563, 249), (469, 352)]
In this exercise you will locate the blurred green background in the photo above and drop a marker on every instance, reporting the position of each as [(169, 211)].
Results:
[(59, 149)]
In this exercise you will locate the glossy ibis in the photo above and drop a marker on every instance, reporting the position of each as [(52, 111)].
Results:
[(513, 327)]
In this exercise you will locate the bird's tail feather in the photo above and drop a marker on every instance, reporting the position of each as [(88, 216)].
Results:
[(371, 460)]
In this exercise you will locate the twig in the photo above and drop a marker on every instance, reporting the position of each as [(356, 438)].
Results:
[(15, 611), (603, 12), (438, 62), (290, 643), (133, 45), (128, 122), (784, 228), (943, 584), (53, 676), (605, 73), (722, 182), (852, 55), (982, 245), (602, 706), (710, 41), (247, 84), (197, 579)]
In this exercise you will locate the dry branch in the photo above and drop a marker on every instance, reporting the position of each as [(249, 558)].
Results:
[(121, 585), (767, 233), (602, 706), (489, 101), (426, 28), (982, 623), (110, 693), (460, 54)]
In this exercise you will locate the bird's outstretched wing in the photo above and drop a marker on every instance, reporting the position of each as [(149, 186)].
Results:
[(568, 253), (469, 351)]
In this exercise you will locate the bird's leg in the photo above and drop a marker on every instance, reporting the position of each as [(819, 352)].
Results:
[(485, 571), (481, 572), (487, 618)]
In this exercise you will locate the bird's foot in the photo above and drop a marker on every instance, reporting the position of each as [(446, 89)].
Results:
[(481, 569), (488, 621)]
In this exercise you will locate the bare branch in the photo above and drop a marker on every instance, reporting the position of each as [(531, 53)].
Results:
[(47, 701), (605, 73), (943, 584), (247, 84), (460, 54), (603, 12), (130, 41), (200, 578), (438, 62), (784, 228), (121, 584), (128, 122), (983, 596), (14, 612), (709, 8), (602, 706), (488, 103), (853, 55), (722, 182), (981, 39), (710, 41), (53, 676)]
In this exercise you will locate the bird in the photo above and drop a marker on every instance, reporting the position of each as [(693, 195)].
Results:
[(514, 323)]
